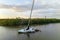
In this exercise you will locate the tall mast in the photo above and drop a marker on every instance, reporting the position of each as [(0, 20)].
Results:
[(31, 14)]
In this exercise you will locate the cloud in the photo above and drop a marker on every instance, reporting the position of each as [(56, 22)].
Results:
[(14, 7), (39, 4), (42, 8), (48, 3)]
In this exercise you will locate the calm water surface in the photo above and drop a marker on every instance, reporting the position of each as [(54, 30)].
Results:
[(48, 32)]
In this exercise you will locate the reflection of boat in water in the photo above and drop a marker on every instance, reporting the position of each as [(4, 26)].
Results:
[(29, 29)]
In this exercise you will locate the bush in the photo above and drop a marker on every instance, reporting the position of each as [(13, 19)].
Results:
[(17, 22)]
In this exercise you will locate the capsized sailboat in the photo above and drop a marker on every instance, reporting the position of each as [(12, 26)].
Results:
[(29, 29)]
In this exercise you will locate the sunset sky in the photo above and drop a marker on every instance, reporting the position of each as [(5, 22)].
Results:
[(21, 8)]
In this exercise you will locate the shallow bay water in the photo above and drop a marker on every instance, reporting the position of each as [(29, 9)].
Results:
[(48, 32)]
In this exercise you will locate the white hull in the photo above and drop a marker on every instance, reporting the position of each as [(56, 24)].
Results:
[(26, 31)]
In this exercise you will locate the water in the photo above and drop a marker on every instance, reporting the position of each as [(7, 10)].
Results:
[(48, 32)]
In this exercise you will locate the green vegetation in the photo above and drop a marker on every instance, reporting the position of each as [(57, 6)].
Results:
[(17, 22)]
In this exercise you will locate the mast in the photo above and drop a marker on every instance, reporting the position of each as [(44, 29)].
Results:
[(30, 14)]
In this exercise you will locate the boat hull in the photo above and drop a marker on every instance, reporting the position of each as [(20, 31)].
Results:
[(30, 30)]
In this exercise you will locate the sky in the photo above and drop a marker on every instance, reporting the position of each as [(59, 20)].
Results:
[(21, 8)]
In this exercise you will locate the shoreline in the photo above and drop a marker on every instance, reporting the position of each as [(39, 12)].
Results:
[(17, 22)]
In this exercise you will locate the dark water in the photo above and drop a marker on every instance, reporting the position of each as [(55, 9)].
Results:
[(48, 32)]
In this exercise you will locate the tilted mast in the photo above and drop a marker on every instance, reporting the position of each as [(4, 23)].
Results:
[(30, 14)]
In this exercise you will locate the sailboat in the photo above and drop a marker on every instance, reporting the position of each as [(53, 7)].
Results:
[(29, 29)]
